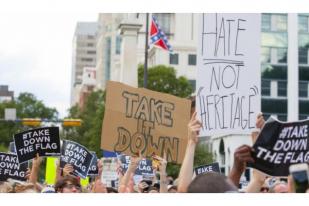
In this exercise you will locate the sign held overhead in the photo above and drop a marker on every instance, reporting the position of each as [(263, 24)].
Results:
[(140, 120), (44, 141), (228, 73)]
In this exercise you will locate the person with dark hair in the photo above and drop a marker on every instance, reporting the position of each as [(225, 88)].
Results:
[(172, 189), (211, 183), (111, 190), (68, 184), (153, 189)]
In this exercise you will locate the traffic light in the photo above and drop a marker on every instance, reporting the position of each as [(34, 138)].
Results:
[(31, 122), (72, 122)]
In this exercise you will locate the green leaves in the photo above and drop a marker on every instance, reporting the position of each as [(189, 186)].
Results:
[(163, 79), (27, 106), (89, 134)]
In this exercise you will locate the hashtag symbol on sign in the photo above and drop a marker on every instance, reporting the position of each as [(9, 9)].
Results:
[(283, 133)]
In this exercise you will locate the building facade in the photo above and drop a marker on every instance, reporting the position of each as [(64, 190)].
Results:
[(83, 55), (5, 94), (274, 65), (183, 42)]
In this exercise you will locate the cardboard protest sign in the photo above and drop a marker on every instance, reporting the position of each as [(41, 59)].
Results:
[(144, 167), (45, 141), (228, 73), (279, 145), (137, 119), (10, 167), (94, 170), (214, 167), (76, 155)]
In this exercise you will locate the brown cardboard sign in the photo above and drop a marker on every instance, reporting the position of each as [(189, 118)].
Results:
[(138, 119)]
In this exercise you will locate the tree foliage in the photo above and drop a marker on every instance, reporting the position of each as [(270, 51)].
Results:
[(89, 134), (163, 79), (27, 106)]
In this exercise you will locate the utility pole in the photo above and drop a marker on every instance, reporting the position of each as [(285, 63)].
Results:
[(146, 52)]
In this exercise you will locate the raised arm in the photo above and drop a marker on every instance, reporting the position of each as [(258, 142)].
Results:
[(258, 178), (186, 170), (162, 169), (242, 155), (36, 162), (130, 171)]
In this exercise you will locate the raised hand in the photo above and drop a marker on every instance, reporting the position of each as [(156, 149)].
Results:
[(67, 170), (194, 127)]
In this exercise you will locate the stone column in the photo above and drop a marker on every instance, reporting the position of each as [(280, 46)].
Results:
[(293, 69), (128, 60)]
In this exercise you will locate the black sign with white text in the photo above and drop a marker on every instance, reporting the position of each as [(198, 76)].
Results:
[(10, 168), (76, 155), (45, 141), (144, 167), (279, 145), (214, 167), (93, 170)]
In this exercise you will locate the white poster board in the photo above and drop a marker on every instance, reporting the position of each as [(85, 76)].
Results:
[(109, 172), (228, 95)]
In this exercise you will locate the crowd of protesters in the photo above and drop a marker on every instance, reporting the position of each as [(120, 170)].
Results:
[(187, 181)]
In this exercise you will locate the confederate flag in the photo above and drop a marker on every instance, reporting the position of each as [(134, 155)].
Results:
[(157, 36)]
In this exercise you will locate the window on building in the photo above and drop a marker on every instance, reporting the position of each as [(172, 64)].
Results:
[(87, 59), (173, 58), (279, 22), (303, 108), (303, 23), (282, 88), (282, 117), (282, 55), (164, 21), (265, 54), (265, 87), (266, 22), (118, 44), (90, 44), (91, 52), (302, 55), (303, 116), (303, 89), (192, 59), (193, 84), (90, 37)]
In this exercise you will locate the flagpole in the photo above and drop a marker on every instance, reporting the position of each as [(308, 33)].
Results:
[(146, 52)]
